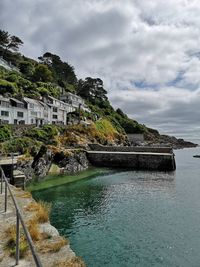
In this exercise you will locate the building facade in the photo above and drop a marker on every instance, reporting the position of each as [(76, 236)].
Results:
[(74, 100), (12, 111), (49, 110)]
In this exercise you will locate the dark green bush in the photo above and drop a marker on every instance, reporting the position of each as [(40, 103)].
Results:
[(5, 132), (7, 87), (22, 145), (45, 134)]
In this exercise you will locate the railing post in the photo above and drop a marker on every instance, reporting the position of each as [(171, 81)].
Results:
[(12, 169), (17, 238), (6, 197), (1, 182)]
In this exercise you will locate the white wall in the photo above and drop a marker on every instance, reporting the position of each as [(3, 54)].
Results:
[(13, 114)]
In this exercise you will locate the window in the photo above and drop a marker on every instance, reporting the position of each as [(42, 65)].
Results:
[(31, 105), (4, 122), (4, 104), (55, 116), (20, 114), (33, 113), (19, 105), (4, 113), (55, 109)]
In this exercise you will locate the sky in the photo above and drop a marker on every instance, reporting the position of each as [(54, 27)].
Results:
[(147, 52)]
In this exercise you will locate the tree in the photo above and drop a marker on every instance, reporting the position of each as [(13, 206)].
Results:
[(9, 42), (26, 68), (63, 73), (14, 43), (4, 38), (92, 89), (42, 74)]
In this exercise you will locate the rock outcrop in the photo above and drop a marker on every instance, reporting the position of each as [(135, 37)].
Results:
[(74, 162), (69, 161)]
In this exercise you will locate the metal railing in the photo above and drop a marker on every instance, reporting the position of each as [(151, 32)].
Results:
[(5, 186)]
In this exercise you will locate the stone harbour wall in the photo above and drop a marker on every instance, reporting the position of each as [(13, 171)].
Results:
[(135, 161), (97, 147)]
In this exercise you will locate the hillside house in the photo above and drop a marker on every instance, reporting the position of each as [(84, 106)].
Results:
[(58, 110), (49, 110), (35, 111), (12, 111)]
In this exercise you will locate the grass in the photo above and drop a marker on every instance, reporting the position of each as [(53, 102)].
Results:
[(41, 210), (24, 194), (33, 228), (11, 242), (52, 246), (73, 262)]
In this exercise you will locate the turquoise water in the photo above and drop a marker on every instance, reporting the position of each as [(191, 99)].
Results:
[(133, 218)]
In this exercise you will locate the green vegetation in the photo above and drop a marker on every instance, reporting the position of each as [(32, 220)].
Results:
[(52, 76), (11, 242), (5, 132), (23, 145), (45, 134)]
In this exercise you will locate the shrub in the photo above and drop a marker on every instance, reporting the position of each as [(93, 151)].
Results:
[(53, 245), (26, 68), (5, 132), (41, 209), (33, 228), (23, 145), (106, 129), (44, 134), (13, 77), (7, 87), (11, 242)]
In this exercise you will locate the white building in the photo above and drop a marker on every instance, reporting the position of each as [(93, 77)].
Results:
[(5, 108), (58, 110), (35, 111), (12, 111), (46, 113), (74, 100), (31, 111)]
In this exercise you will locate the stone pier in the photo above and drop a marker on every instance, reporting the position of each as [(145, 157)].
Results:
[(136, 158)]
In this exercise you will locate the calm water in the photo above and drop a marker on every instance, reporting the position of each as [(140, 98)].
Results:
[(133, 218)]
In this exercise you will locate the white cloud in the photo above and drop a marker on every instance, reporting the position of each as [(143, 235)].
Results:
[(153, 44)]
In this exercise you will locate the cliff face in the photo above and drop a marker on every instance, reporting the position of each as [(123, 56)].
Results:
[(68, 161)]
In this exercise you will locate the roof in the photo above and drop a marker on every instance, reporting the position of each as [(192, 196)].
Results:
[(4, 98), (43, 104), (31, 101), (16, 100)]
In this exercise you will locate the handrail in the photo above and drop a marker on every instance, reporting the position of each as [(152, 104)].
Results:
[(19, 218)]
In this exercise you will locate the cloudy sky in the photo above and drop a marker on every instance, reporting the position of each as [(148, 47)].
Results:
[(146, 51)]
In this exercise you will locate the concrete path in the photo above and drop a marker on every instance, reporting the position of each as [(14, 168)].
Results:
[(48, 259)]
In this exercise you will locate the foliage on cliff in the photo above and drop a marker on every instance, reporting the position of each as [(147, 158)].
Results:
[(52, 76)]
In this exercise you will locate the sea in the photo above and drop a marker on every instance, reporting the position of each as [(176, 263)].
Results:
[(127, 218)]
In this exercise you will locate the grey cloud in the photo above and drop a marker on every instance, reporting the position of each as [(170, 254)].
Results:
[(121, 42)]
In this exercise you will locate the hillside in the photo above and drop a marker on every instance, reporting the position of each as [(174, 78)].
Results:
[(50, 75)]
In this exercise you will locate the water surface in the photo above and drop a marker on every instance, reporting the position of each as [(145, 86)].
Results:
[(133, 218)]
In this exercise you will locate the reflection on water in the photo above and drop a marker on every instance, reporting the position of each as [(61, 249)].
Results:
[(133, 218)]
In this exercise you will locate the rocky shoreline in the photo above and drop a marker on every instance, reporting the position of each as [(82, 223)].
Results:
[(74, 160), (68, 161), (171, 141)]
